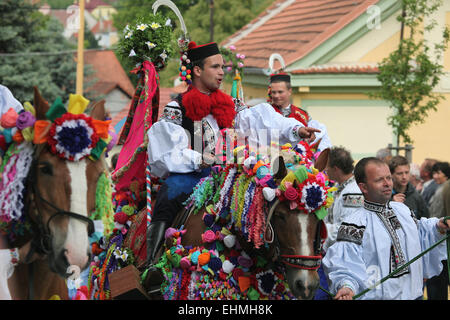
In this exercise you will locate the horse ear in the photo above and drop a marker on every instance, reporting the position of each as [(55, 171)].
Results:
[(98, 110), (321, 162), (279, 168), (40, 105)]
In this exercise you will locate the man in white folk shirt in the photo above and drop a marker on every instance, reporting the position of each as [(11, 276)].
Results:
[(379, 238)]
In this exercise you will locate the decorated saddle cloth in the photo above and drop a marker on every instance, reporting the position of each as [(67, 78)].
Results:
[(235, 203)]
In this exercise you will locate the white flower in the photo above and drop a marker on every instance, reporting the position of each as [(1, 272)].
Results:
[(142, 26), (117, 253), (155, 25), (128, 35), (124, 256), (132, 53), (150, 45), (163, 55), (168, 23)]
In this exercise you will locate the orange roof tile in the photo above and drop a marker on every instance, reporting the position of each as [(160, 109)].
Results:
[(165, 96), (337, 69), (108, 72), (295, 30), (103, 26)]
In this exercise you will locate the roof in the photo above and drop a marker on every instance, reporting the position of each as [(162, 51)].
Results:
[(103, 26), (61, 14), (294, 28), (165, 96), (338, 68), (92, 4), (108, 72)]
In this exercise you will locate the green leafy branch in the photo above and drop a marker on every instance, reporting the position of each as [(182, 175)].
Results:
[(408, 75)]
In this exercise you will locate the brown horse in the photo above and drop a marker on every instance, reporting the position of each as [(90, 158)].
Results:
[(59, 200), (293, 237)]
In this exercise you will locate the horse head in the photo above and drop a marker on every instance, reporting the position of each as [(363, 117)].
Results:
[(63, 191), (294, 233)]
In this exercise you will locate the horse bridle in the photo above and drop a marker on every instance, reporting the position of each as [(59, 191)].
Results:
[(295, 261), (42, 240)]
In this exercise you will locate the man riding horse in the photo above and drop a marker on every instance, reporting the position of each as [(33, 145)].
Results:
[(190, 128)]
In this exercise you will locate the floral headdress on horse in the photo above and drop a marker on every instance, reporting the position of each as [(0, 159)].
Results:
[(70, 134)]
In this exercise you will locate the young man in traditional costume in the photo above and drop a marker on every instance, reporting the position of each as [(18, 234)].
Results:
[(280, 95), (348, 197), (379, 238), (179, 144)]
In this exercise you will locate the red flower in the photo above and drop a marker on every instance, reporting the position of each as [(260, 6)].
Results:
[(291, 194), (121, 217)]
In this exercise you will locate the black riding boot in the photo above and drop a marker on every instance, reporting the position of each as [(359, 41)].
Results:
[(155, 238)]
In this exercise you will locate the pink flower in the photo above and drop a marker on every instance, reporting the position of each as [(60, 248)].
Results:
[(9, 119), (240, 65), (291, 194), (232, 48), (208, 236)]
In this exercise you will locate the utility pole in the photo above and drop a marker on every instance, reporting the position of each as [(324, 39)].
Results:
[(80, 54), (211, 20)]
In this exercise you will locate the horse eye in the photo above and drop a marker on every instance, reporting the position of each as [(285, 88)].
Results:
[(46, 169), (280, 215)]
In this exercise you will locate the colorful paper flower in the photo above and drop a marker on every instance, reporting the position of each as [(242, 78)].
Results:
[(291, 194), (72, 136), (25, 120), (313, 196), (266, 282)]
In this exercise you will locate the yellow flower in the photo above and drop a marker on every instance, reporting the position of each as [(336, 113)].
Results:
[(142, 26), (155, 25)]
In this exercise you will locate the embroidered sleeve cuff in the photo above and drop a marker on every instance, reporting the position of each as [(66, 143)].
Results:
[(295, 137)]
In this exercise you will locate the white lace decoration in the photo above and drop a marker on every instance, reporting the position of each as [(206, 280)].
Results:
[(223, 202), (12, 183)]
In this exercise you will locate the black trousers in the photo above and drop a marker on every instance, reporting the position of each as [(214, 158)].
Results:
[(437, 287), (165, 209)]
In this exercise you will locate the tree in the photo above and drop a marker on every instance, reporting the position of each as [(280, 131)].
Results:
[(409, 75), (33, 52), (229, 16)]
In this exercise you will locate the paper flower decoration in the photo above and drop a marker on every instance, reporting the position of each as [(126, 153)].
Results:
[(72, 136), (306, 190)]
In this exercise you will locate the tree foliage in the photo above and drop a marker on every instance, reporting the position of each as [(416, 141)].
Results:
[(33, 52), (229, 16), (411, 72)]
